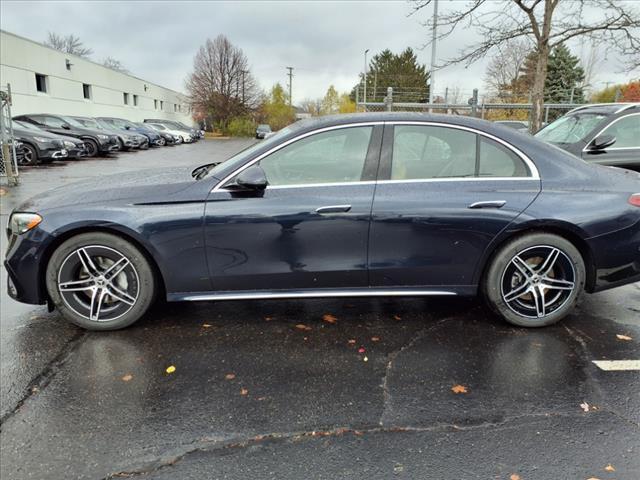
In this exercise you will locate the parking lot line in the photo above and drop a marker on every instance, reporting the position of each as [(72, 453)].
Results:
[(617, 365)]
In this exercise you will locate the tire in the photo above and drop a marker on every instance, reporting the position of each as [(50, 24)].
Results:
[(162, 142), (100, 281), (535, 280), (92, 147), (30, 156)]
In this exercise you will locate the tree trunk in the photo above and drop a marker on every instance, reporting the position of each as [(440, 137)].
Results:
[(537, 90)]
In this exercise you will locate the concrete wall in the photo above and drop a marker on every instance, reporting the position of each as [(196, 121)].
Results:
[(21, 59)]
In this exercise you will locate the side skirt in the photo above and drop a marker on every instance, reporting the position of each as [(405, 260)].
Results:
[(320, 293)]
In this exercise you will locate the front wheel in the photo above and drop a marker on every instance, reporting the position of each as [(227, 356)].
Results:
[(92, 147), (30, 156), (535, 280), (100, 281)]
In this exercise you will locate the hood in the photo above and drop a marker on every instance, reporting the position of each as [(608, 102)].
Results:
[(166, 185)]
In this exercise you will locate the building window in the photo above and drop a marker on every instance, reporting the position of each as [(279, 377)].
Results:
[(161, 105), (135, 100), (175, 107), (125, 97), (86, 91), (155, 104), (41, 83)]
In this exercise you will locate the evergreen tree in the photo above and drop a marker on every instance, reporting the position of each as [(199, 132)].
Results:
[(402, 72), (564, 74)]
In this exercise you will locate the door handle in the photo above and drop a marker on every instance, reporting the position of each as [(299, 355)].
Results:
[(333, 209), (489, 204)]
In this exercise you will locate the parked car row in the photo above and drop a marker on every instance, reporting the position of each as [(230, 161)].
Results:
[(47, 137)]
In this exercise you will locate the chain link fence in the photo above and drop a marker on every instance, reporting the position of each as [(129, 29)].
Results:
[(474, 107)]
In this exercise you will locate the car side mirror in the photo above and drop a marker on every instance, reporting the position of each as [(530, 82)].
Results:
[(127, 127), (253, 178), (602, 142)]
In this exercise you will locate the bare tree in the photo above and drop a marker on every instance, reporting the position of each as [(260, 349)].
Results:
[(221, 83), (548, 23), (591, 60), (68, 44), (114, 64), (505, 68)]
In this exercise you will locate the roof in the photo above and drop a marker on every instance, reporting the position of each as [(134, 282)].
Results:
[(608, 108)]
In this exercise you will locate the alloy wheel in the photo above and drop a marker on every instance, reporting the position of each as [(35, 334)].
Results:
[(538, 281), (98, 282)]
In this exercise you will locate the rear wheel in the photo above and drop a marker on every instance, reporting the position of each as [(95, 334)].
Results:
[(100, 281), (535, 280)]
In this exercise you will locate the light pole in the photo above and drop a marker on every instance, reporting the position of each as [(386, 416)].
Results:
[(365, 79), (433, 53)]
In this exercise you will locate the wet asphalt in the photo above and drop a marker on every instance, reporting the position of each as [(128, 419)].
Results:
[(313, 389)]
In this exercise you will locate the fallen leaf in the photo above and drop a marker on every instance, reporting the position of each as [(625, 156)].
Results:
[(375, 339), (459, 389), (365, 359), (127, 377), (171, 369), (3, 192), (593, 478), (327, 317), (609, 468), (244, 391), (515, 476), (268, 319), (261, 399), (302, 326), (624, 337), (205, 325), (361, 350), (352, 341), (230, 376), (584, 406), (397, 317)]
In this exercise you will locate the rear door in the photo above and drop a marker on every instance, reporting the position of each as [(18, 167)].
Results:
[(443, 195)]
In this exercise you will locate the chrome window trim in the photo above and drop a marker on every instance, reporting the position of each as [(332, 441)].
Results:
[(535, 174), (354, 292), (220, 186), (586, 150)]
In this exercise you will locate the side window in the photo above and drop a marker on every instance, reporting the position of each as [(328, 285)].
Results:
[(327, 157), (422, 152), (498, 161), (627, 132), (52, 121)]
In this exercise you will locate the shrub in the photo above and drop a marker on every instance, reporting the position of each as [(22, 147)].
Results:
[(241, 127)]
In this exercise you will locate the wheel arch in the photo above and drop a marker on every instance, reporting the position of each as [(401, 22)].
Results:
[(565, 230), (119, 232)]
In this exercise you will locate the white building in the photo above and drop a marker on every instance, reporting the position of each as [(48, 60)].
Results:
[(45, 80)]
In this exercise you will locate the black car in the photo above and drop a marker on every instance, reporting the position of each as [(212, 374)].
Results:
[(126, 140), (39, 146), (364, 205), (97, 142), (166, 139), (75, 147), (153, 138), (608, 134)]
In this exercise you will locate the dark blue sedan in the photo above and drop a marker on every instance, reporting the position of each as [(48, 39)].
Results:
[(361, 205)]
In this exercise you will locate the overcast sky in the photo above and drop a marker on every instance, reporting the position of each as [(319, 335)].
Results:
[(324, 41)]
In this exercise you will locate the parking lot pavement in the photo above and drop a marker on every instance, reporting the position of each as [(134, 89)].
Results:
[(347, 388)]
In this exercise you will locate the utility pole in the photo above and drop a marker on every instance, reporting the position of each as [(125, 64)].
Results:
[(432, 73), (365, 80), (244, 72), (290, 84)]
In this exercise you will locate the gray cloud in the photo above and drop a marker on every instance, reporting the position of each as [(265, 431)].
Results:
[(323, 41)]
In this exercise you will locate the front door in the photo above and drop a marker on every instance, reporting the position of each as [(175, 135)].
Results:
[(444, 194), (308, 229), (625, 151)]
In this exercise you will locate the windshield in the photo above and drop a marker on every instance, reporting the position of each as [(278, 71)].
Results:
[(570, 128), (89, 122), (241, 156), (72, 122), (157, 126)]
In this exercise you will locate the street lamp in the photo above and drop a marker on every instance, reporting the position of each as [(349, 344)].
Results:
[(365, 79)]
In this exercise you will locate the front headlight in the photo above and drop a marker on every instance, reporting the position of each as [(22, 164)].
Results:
[(20, 223), (103, 137), (69, 145), (42, 139)]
